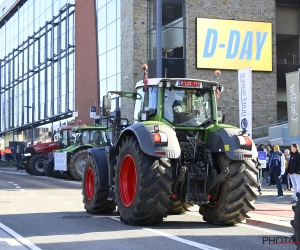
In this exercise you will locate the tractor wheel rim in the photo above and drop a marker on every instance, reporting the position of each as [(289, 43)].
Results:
[(214, 203), (39, 165), (89, 184), (128, 180)]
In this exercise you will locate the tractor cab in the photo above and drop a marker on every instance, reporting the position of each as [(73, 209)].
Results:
[(177, 102), (64, 137), (91, 135)]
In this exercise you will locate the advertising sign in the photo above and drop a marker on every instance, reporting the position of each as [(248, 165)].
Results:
[(60, 161), (292, 92), (245, 99), (92, 111), (262, 157), (231, 44)]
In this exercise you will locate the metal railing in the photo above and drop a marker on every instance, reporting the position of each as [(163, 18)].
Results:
[(260, 132)]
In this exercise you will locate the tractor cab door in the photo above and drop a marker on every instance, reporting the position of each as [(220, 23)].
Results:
[(146, 106), (64, 139)]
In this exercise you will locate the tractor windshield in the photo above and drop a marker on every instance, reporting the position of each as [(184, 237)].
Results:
[(96, 137), (187, 107)]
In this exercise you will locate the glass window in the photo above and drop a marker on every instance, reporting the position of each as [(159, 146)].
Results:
[(100, 3), (111, 36), (148, 100), (287, 47), (102, 41), (172, 11), (111, 11), (111, 62), (186, 107), (172, 42), (101, 16), (151, 14), (286, 20), (152, 44), (102, 65)]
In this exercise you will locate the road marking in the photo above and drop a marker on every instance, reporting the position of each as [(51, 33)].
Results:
[(10, 182), (11, 242), (68, 203), (51, 197), (22, 189), (19, 238), (115, 218), (184, 241), (15, 184), (265, 230), (18, 187), (176, 238)]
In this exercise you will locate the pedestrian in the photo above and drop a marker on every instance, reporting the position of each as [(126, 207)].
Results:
[(2, 155), (294, 170), (275, 167), (8, 154), (12, 153), (261, 147), (285, 178), (19, 160), (271, 152)]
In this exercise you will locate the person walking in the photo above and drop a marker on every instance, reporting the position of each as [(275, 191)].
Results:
[(8, 154), (294, 170), (19, 160), (2, 155), (285, 178), (260, 148), (275, 167), (271, 152)]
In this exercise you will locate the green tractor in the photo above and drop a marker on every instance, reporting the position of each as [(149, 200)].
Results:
[(176, 154), (71, 159)]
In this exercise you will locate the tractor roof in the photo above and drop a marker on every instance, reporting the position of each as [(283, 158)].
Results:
[(173, 81), (82, 128)]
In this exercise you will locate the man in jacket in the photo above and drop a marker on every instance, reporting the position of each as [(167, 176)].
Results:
[(294, 170), (275, 167)]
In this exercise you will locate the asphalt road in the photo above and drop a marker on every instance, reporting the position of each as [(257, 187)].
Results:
[(46, 213)]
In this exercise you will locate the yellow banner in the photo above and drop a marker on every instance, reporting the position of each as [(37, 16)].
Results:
[(229, 44)]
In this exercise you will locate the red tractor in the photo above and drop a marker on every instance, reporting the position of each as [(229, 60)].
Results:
[(37, 155)]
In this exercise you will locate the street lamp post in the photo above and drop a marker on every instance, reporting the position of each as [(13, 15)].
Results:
[(32, 120)]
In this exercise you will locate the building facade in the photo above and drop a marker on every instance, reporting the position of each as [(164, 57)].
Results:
[(43, 83)]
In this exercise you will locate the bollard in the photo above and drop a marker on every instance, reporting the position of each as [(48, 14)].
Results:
[(296, 223)]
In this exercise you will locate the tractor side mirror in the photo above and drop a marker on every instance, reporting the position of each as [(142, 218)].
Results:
[(106, 105)]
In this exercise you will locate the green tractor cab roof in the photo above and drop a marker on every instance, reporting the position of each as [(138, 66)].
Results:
[(75, 129), (178, 82)]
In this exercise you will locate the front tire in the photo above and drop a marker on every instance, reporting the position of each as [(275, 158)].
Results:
[(236, 194), (94, 199), (142, 185), (77, 164), (37, 163)]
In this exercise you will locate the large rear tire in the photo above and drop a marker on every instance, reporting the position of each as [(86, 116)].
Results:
[(26, 167), (37, 163), (95, 200), (47, 169), (77, 164), (235, 195), (179, 207), (142, 185)]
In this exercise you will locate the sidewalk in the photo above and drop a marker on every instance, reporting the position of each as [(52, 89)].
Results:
[(271, 212)]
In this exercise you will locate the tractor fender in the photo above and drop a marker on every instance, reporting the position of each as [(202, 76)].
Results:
[(80, 147), (226, 140), (143, 133), (99, 155)]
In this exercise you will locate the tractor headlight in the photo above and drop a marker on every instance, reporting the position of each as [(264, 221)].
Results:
[(27, 154)]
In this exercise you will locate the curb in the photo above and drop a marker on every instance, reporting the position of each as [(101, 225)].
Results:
[(269, 225)]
